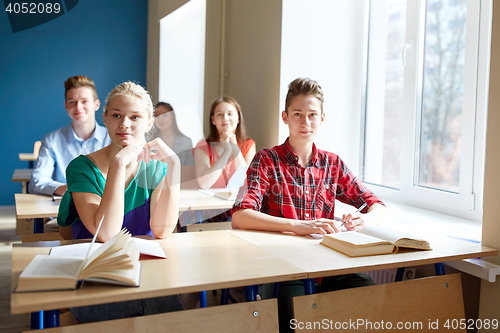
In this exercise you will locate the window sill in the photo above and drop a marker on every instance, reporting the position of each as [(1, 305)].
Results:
[(424, 223)]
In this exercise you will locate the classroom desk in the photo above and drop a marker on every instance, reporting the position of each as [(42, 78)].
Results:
[(224, 259), (23, 176), (198, 202), (201, 201), (30, 157), (38, 207), (196, 261), (320, 261)]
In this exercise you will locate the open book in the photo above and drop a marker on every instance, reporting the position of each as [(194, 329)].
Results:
[(116, 262), (372, 240), (147, 248)]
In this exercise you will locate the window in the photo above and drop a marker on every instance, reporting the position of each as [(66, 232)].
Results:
[(328, 51), (182, 65), (426, 89)]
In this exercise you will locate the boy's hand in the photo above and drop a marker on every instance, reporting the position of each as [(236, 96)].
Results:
[(354, 221), (319, 226), (357, 221)]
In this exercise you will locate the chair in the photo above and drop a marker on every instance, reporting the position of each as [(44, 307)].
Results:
[(418, 303), (54, 233), (36, 148), (259, 317)]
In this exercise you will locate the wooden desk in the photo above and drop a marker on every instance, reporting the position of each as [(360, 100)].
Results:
[(224, 259), (36, 207), (320, 261), (29, 206), (199, 202), (23, 176), (196, 261)]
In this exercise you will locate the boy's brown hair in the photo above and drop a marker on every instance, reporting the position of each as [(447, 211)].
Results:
[(303, 86), (77, 82)]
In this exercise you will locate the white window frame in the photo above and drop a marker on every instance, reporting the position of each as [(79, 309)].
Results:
[(468, 202)]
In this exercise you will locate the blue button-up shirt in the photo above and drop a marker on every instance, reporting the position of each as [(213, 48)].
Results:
[(57, 150)]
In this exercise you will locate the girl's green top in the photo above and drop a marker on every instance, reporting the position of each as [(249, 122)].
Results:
[(82, 175)]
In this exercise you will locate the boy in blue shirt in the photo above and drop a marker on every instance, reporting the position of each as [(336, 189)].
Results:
[(82, 137)]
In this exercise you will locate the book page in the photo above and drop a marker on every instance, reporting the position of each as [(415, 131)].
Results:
[(384, 233), (112, 245), (355, 238), (46, 266), (397, 237), (130, 277), (73, 250), (145, 246)]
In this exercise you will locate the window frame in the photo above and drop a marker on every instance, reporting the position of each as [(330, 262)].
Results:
[(468, 202)]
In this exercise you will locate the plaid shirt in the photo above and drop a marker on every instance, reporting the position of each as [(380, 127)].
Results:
[(278, 185)]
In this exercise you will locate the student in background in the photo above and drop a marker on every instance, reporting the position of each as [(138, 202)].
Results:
[(293, 188), (83, 136), (165, 127), (132, 183), (226, 148)]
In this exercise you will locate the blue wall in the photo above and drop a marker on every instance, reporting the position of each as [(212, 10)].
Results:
[(104, 40)]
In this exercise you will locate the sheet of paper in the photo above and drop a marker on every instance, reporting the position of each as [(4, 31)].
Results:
[(147, 247)]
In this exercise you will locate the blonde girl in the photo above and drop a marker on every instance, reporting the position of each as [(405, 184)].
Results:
[(132, 183)]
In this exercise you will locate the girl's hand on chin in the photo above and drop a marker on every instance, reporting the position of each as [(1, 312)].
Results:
[(232, 138), (227, 137), (156, 150), (130, 153)]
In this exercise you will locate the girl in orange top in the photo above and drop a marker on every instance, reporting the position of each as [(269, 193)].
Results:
[(226, 148)]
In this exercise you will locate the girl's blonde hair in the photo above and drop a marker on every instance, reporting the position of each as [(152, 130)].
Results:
[(131, 89)]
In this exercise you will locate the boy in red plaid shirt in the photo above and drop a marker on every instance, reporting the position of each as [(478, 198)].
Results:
[(293, 187)]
